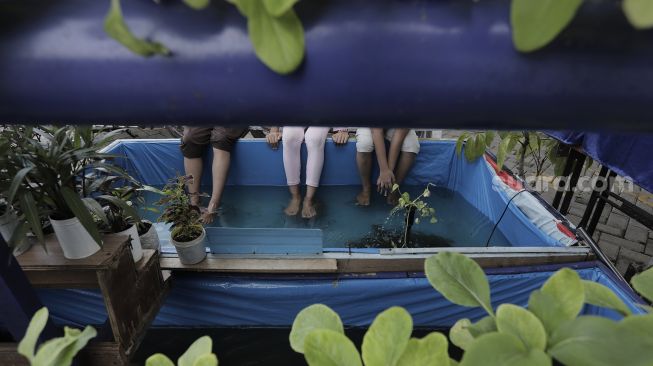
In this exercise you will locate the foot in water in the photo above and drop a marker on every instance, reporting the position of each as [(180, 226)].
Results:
[(308, 209), (363, 198), (293, 206)]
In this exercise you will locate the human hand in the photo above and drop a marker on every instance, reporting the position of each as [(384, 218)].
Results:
[(340, 137), (385, 182), (273, 137)]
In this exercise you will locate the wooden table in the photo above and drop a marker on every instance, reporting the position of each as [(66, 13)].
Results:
[(132, 292)]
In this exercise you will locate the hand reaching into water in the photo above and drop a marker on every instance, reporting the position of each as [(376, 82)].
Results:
[(385, 182), (273, 137)]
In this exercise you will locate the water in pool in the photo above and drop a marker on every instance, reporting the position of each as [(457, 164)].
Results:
[(344, 224)]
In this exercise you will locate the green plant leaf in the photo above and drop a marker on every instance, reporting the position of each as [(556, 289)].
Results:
[(522, 324), (325, 347), (459, 279), (201, 346), (480, 146), (158, 359), (536, 23), (643, 283), (95, 208), (197, 4), (115, 27), (61, 351), (463, 332), (278, 41), (31, 212), (489, 137), (460, 142), (387, 337), (130, 211), (206, 360), (80, 211), (561, 298), (431, 350), (597, 341), (316, 316), (27, 345), (503, 152), (277, 8), (639, 13), (470, 149), (16, 182), (499, 349), (599, 295)]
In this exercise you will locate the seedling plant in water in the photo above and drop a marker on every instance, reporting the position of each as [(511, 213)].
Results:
[(411, 207)]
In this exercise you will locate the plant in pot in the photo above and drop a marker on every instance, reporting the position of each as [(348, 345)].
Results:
[(121, 217), (187, 233), (55, 166)]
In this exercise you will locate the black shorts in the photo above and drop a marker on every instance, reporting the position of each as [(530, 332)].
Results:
[(195, 139)]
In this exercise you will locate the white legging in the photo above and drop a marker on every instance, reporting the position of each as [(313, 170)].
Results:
[(315, 138)]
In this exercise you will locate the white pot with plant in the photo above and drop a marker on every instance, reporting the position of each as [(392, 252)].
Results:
[(149, 236), (55, 165), (187, 234), (122, 219)]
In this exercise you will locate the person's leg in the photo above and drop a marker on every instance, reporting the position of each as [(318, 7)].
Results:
[(409, 150), (192, 148), (315, 138), (223, 141), (292, 138), (364, 148)]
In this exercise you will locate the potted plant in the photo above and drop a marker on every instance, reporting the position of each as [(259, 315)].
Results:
[(187, 234), (56, 163)]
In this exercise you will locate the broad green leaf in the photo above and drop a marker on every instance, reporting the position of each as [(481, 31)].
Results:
[(31, 212), (128, 210), (16, 182), (158, 359), (561, 298), (536, 23), (470, 149), (522, 324), (206, 360), (81, 340), (459, 279), (115, 27), (387, 337), (487, 324), (201, 346), (80, 211), (325, 347), (197, 4), (27, 345), (463, 332), (61, 351), (460, 142), (431, 350), (277, 8), (489, 137), (639, 13), (453, 362), (95, 208), (599, 295), (503, 152), (316, 316), (643, 283), (480, 146), (499, 349), (597, 341), (278, 41)]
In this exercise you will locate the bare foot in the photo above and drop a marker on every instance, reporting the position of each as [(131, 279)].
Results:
[(308, 210), (209, 214), (363, 198), (293, 206)]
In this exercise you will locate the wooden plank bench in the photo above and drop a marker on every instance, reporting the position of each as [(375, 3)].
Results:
[(132, 292)]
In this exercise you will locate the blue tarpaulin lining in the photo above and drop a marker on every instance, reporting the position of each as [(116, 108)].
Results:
[(218, 300), (626, 154), (253, 163)]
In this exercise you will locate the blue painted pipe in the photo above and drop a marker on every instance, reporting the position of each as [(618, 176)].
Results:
[(445, 63)]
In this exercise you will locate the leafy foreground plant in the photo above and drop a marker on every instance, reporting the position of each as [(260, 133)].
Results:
[(198, 354), (54, 352), (549, 329)]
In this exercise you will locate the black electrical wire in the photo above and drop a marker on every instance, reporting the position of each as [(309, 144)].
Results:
[(500, 217)]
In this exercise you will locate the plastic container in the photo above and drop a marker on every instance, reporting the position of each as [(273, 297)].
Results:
[(73, 238), (191, 252)]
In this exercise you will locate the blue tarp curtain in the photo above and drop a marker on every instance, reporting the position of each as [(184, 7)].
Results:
[(625, 154), (527, 221), (214, 300)]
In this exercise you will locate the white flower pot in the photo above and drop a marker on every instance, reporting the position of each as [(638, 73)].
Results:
[(191, 252), (73, 238), (8, 224), (137, 250), (150, 240)]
